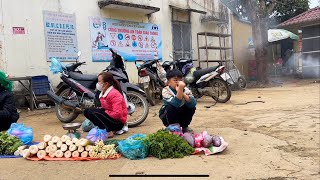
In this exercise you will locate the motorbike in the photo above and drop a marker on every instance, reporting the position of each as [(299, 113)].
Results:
[(211, 81), (77, 92), (150, 80)]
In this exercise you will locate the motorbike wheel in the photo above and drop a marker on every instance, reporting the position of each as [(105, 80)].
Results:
[(141, 108), (242, 83), (64, 115), (221, 90), (151, 93)]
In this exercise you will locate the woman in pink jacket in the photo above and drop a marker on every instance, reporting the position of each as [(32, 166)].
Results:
[(112, 115)]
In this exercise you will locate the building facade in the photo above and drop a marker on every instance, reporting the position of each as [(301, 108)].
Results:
[(23, 50)]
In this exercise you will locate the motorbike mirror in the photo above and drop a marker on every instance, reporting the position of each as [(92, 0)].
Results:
[(79, 53), (171, 56)]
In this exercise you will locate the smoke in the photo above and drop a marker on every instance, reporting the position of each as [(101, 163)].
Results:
[(310, 66), (297, 65)]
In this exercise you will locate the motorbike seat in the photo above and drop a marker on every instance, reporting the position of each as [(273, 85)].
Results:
[(148, 63), (83, 77), (198, 73)]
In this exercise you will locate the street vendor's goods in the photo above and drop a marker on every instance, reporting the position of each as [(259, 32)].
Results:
[(216, 141), (47, 138), (189, 138), (84, 154), (17, 153), (97, 134), (26, 153), (24, 133), (75, 140), (84, 142), (67, 154), (42, 145), (59, 154), (48, 149), (103, 151), (198, 138), (64, 147), (59, 144), (52, 154), (134, 147), (72, 147), (41, 154), (64, 138), (55, 139), (33, 149), (207, 141), (22, 147), (50, 143), (164, 144), (88, 147), (9, 144), (53, 148), (69, 142), (80, 149), (87, 125), (57, 147), (75, 154)]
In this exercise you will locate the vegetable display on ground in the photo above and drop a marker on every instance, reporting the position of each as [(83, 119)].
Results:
[(164, 144), (9, 144)]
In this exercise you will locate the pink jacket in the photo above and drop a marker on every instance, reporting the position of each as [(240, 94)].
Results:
[(114, 104)]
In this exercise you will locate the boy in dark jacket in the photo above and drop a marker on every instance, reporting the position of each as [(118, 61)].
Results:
[(179, 103), (8, 111)]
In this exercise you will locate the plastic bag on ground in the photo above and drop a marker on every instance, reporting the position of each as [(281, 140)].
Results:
[(175, 129), (97, 134), (87, 125), (133, 147), (24, 133)]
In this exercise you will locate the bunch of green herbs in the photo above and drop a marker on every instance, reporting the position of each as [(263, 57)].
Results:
[(163, 144), (8, 144)]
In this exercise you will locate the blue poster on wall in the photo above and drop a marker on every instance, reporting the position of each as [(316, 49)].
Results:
[(132, 40)]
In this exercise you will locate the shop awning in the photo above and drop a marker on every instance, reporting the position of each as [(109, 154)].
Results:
[(112, 4), (280, 34), (189, 9)]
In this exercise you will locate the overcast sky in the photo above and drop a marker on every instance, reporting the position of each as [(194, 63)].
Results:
[(314, 3)]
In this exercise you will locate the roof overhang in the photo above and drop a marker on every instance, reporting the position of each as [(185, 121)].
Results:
[(189, 9), (299, 24), (112, 4)]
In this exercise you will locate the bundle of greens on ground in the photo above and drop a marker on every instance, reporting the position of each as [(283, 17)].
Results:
[(8, 144), (164, 144)]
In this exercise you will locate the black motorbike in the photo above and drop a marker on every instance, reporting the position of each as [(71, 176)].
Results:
[(77, 92), (149, 80)]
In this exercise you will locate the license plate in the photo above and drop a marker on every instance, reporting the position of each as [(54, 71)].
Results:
[(225, 76), (144, 79)]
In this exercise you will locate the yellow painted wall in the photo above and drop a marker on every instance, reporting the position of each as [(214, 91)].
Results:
[(241, 32)]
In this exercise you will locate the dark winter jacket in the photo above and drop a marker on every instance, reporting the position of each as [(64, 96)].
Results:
[(8, 110)]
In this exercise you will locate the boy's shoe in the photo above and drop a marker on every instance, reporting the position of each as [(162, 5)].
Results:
[(123, 130), (187, 130)]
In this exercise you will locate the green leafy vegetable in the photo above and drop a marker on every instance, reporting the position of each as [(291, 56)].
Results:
[(163, 144), (8, 144)]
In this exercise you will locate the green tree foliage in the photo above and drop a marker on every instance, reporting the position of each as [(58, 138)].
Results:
[(286, 9)]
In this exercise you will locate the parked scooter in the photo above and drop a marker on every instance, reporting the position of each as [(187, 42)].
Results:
[(150, 80), (76, 92), (211, 81)]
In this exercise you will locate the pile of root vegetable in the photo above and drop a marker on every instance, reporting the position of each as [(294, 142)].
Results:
[(65, 147)]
